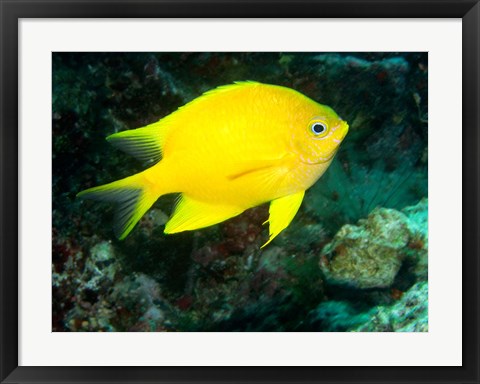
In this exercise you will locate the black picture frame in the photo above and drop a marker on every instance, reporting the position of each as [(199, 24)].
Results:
[(11, 11)]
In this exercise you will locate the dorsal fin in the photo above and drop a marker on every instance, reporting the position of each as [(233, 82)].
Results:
[(231, 87), (144, 143), (216, 91)]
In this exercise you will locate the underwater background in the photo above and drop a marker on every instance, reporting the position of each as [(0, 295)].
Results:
[(355, 257)]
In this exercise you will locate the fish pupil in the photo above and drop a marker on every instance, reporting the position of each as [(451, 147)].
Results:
[(318, 128)]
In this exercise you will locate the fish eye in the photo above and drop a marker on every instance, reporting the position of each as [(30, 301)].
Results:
[(318, 128)]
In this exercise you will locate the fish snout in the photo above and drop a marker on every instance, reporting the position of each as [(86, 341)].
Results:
[(340, 131)]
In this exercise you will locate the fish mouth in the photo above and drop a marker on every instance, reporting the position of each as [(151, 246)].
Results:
[(322, 160)]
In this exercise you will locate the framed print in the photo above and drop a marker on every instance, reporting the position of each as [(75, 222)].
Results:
[(224, 191)]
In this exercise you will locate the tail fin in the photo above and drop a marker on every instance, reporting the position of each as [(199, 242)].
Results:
[(134, 197)]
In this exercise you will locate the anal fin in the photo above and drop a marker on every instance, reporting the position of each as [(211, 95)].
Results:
[(191, 214), (282, 211)]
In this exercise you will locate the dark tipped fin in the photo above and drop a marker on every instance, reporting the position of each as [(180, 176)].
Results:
[(132, 203), (143, 143)]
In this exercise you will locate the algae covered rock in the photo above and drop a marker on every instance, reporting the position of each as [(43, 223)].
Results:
[(370, 254), (409, 314), (101, 267), (336, 316), (418, 245)]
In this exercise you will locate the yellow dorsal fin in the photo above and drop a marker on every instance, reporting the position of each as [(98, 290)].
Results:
[(147, 143), (231, 87), (237, 85), (282, 212), (191, 214)]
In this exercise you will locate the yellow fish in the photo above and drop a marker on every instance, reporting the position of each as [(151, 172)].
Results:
[(231, 149)]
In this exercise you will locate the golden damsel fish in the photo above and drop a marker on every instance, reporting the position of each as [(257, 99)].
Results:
[(231, 149)]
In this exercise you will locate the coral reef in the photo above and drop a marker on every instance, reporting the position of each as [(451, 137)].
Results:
[(409, 314), (131, 304), (106, 301), (417, 247), (370, 254), (336, 316)]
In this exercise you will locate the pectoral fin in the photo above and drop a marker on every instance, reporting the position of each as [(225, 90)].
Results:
[(191, 214), (282, 212), (258, 167), (261, 167)]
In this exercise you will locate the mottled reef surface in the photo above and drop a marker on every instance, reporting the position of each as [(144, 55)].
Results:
[(355, 258)]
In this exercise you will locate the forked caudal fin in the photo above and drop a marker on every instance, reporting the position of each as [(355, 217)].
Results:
[(134, 197)]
